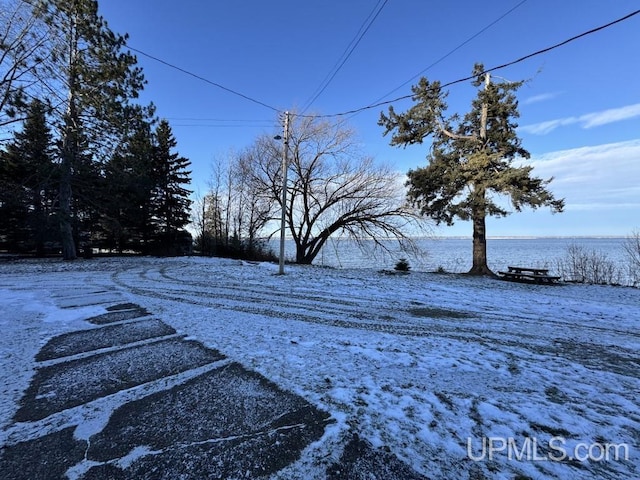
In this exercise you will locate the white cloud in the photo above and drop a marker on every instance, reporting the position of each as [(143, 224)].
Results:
[(543, 97), (588, 120), (610, 116), (546, 127), (590, 207), (597, 177)]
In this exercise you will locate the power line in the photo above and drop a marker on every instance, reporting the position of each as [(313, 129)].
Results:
[(364, 28), (404, 97), (206, 80), (220, 122), (499, 67), (451, 52), (206, 125), (191, 119)]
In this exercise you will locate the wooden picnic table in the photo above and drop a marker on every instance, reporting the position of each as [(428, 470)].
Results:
[(529, 274), (535, 271)]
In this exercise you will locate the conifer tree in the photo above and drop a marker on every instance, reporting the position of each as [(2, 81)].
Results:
[(170, 200), (93, 82), (126, 213), (27, 173), (470, 160)]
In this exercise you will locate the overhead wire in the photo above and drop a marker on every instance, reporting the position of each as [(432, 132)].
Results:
[(404, 97), (488, 70), (206, 80), (355, 41), (217, 119), (220, 122), (451, 52)]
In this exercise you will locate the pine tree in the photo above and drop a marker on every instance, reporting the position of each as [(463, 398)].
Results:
[(470, 159), (170, 200), (94, 81), (27, 183)]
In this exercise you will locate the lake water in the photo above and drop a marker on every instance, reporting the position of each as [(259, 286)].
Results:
[(454, 254)]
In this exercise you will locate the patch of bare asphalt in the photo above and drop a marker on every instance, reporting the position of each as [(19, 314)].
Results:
[(69, 384), (118, 316), (104, 337), (359, 459), (226, 423), (46, 457)]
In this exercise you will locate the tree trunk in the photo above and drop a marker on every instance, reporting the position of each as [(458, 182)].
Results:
[(302, 257), (479, 248), (41, 221), (479, 266), (69, 146), (66, 231), (479, 213), (69, 149), (307, 252)]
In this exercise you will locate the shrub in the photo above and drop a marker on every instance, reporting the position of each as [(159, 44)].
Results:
[(632, 248), (402, 265), (588, 266), (257, 250)]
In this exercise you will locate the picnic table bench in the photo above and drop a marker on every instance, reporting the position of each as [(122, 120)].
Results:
[(528, 274)]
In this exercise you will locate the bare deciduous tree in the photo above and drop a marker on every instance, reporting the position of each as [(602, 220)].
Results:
[(23, 37), (232, 215), (333, 188), (255, 205)]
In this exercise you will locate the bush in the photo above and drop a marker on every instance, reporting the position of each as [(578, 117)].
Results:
[(258, 250), (632, 247), (588, 266), (402, 265)]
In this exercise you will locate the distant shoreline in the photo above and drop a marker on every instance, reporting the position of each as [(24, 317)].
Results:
[(546, 237), (500, 237)]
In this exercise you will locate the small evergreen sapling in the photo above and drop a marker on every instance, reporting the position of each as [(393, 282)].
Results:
[(402, 265)]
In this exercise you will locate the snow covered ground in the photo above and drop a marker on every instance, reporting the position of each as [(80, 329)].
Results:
[(459, 377)]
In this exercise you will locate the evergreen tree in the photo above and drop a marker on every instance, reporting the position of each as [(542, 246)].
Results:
[(26, 194), (470, 160), (126, 219), (170, 200), (94, 81)]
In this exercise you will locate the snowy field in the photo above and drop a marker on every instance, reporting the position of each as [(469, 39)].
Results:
[(459, 377)]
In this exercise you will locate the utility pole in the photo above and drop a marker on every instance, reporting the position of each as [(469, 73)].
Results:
[(285, 167)]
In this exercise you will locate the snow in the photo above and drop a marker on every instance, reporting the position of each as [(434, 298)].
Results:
[(422, 364)]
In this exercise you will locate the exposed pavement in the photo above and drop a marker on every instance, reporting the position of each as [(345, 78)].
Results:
[(182, 410)]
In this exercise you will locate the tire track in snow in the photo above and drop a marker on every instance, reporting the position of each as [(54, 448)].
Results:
[(373, 313)]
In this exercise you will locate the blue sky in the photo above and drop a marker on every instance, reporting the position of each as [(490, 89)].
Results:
[(580, 108)]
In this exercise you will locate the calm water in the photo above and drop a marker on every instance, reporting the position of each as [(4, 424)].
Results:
[(454, 254)]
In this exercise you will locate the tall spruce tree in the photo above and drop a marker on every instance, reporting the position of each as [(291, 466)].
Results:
[(170, 200), (94, 81), (126, 213), (26, 190), (471, 158)]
